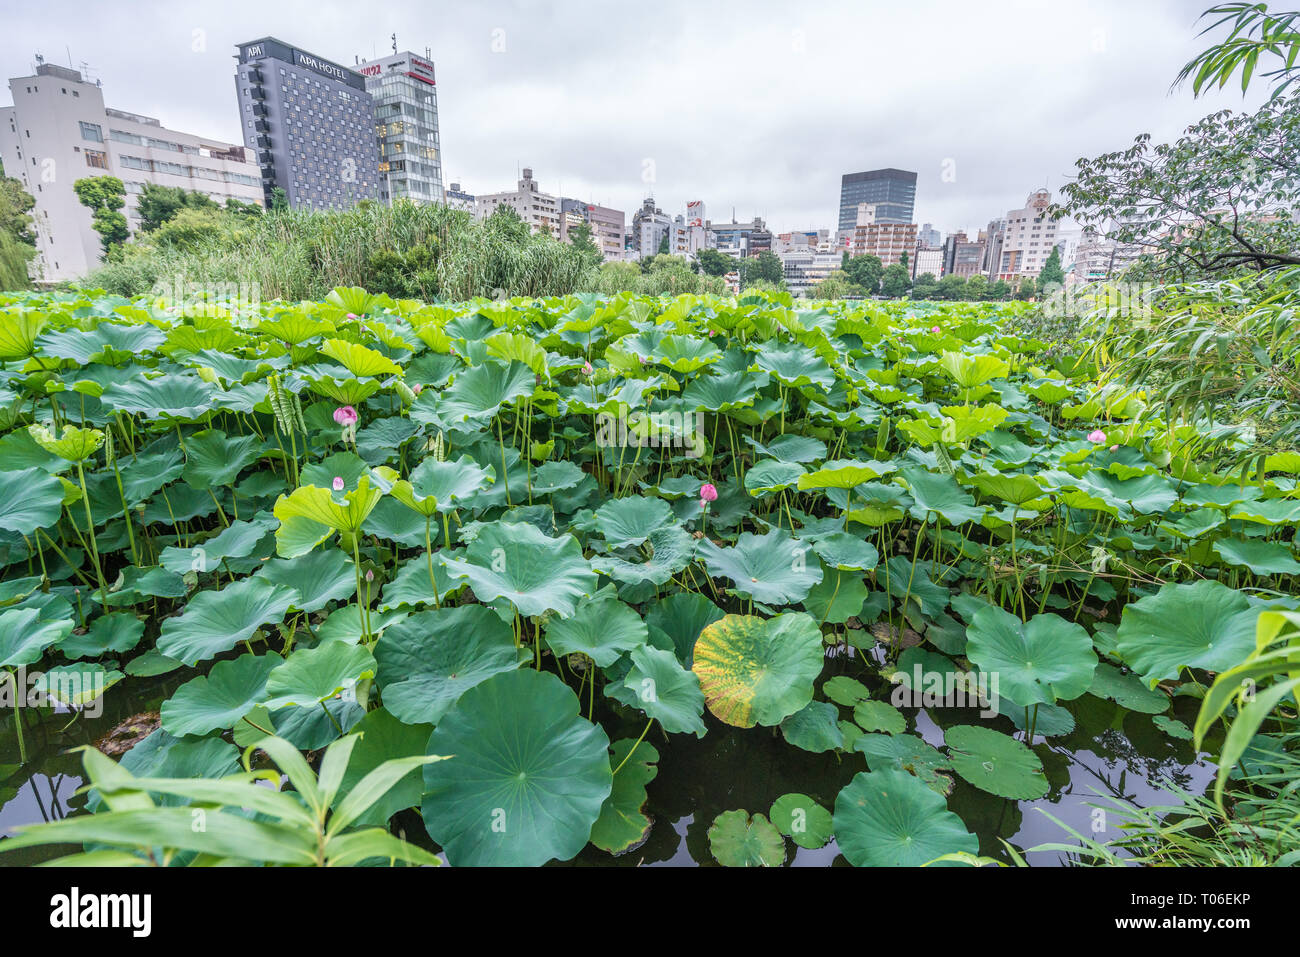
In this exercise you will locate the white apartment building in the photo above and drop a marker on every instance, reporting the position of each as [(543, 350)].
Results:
[(804, 266), (1028, 239), (541, 211), (58, 131)]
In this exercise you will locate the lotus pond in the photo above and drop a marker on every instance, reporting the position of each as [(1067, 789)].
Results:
[(608, 581)]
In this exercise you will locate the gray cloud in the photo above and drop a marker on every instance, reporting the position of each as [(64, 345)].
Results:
[(758, 105)]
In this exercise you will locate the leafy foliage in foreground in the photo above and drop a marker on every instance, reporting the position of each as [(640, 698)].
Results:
[(492, 531)]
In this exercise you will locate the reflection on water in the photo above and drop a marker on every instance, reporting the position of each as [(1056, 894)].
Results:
[(1110, 752)]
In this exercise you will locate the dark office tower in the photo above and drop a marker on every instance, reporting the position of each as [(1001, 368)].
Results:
[(311, 124), (891, 191)]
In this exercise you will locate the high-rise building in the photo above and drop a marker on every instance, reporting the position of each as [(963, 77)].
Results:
[(59, 131), (406, 115), (927, 235), (1029, 237), (650, 227), (311, 123), (891, 191), (541, 211)]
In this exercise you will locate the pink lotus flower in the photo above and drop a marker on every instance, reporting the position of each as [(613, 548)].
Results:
[(417, 388), (338, 483), (1097, 437), (707, 494), (586, 368), (935, 330), (345, 415)]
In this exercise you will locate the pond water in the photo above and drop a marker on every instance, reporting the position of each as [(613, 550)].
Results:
[(1111, 751)]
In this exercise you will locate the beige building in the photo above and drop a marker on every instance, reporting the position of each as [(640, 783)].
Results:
[(59, 131), (541, 211), (1028, 239), (887, 241)]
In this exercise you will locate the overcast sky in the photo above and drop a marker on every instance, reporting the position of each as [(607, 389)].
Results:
[(759, 105)]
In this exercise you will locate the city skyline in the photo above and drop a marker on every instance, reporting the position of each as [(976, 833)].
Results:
[(776, 147)]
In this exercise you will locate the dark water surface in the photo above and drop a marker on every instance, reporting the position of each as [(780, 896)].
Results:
[(1110, 752)]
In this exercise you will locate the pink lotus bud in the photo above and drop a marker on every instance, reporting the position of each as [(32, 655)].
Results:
[(352, 315), (1114, 448), (345, 415), (708, 493), (370, 575), (338, 483), (586, 368), (417, 388), (1097, 436)]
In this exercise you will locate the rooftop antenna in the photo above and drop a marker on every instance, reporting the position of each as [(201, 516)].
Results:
[(394, 44)]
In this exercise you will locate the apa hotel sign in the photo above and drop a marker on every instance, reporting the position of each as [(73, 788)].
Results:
[(320, 66)]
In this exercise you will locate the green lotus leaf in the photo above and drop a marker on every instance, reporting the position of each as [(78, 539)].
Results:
[(815, 727), (629, 521), (220, 698), (737, 840), (308, 515), (317, 578), (77, 684), (721, 393), (1046, 659), (532, 571), (184, 397), (623, 824), (969, 371), (891, 819), (1262, 558), (771, 476), (428, 660), (1200, 625), (879, 716), (908, 753), (1016, 489), (846, 691), (239, 540), (602, 628), (940, 494), (359, 360), (29, 499), (310, 676), (24, 636), (802, 819), (529, 776), (479, 392), (435, 486), (771, 568), (658, 685), (215, 621), (18, 332), (995, 763), (671, 550), (1127, 690), (842, 473), (847, 552), (682, 616), (212, 458), (383, 738), (793, 364), (114, 632), (758, 671), (1047, 720), (800, 449), (411, 588), (73, 445)]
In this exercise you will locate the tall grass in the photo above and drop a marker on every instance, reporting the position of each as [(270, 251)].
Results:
[(406, 249)]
